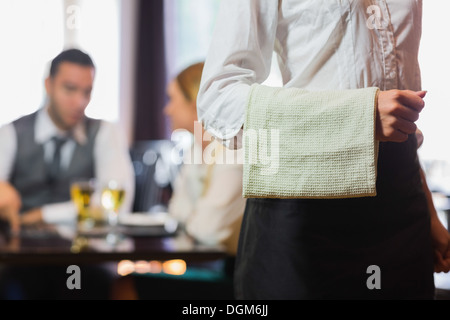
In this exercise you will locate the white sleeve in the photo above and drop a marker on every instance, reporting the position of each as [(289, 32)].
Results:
[(58, 213), (240, 55), (181, 204), (218, 214), (8, 148), (113, 161)]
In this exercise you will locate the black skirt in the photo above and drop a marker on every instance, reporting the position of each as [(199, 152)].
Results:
[(324, 249)]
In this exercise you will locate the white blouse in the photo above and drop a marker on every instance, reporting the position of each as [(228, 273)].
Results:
[(208, 201), (320, 44)]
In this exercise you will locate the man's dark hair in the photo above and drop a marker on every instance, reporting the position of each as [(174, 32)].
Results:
[(73, 56)]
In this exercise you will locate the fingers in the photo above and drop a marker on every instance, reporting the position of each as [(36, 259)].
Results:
[(442, 254), (405, 126), (406, 113), (441, 264), (421, 94), (397, 112), (420, 138), (396, 128), (412, 100), (438, 261)]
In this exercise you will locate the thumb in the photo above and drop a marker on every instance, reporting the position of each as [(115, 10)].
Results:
[(421, 94)]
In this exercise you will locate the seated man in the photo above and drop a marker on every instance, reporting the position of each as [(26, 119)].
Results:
[(44, 152), (41, 155)]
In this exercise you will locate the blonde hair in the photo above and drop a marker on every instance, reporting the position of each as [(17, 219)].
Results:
[(189, 81)]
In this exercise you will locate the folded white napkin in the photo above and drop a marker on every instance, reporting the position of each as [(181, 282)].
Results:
[(314, 145)]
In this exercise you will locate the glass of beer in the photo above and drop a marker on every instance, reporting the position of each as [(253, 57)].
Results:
[(82, 192), (113, 195)]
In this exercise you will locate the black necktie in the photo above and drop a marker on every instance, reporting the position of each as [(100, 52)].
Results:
[(54, 167)]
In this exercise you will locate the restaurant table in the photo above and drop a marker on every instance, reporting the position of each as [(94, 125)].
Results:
[(47, 244)]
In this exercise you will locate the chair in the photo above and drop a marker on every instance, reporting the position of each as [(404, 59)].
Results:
[(156, 165)]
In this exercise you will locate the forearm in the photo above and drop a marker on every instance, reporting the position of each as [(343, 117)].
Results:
[(9, 197), (431, 208), (439, 233), (10, 204)]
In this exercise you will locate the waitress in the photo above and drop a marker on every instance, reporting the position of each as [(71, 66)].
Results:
[(365, 65)]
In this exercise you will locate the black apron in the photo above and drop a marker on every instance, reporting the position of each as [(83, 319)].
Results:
[(322, 249)]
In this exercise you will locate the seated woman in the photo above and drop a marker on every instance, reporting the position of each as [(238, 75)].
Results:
[(207, 197), (207, 200)]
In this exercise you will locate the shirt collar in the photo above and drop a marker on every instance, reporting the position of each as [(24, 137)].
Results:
[(45, 129)]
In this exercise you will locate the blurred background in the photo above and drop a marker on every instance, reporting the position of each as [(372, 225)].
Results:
[(138, 47)]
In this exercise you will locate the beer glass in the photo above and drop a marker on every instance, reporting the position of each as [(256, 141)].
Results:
[(82, 192), (113, 195)]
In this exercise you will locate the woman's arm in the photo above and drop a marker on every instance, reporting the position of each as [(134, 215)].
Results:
[(439, 234), (240, 56)]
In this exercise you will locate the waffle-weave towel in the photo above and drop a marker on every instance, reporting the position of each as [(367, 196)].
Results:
[(313, 145)]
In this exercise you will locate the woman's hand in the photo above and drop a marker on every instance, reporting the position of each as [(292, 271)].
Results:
[(441, 246), (397, 112)]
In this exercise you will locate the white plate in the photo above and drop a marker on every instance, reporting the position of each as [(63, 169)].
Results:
[(144, 219)]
